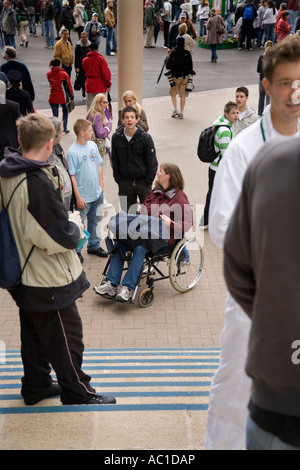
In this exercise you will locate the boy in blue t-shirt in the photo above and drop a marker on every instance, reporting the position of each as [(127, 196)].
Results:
[(84, 162)]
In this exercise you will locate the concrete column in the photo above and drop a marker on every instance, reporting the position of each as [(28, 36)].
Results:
[(130, 48)]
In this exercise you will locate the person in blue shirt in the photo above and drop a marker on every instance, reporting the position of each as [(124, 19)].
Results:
[(85, 169)]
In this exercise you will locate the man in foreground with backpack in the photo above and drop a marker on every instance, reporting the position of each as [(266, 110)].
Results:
[(52, 280), (249, 13), (222, 138)]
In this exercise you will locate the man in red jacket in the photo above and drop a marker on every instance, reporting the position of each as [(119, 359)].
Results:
[(98, 76)]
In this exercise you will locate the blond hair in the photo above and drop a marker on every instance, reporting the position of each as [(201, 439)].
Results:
[(131, 94), (96, 107), (182, 29), (81, 125)]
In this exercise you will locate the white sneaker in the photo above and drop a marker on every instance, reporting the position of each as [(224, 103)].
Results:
[(124, 294), (106, 289)]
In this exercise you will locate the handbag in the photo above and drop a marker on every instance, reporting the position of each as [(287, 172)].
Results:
[(104, 32), (70, 106), (78, 82), (101, 143)]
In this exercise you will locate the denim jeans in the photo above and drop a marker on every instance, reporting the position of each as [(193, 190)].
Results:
[(292, 19), (55, 108), (111, 38), (115, 270), (259, 439), (202, 31), (94, 213), (67, 68), (49, 32), (269, 32), (32, 25), (213, 48), (9, 40)]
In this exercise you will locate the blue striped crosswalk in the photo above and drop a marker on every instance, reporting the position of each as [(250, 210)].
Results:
[(140, 379)]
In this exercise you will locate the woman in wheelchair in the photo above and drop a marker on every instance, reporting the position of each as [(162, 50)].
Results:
[(169, 202)]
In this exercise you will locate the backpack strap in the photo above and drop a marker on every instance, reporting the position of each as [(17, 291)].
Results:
[(12, 192), (6, 208)]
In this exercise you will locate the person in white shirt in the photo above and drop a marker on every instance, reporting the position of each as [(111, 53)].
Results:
[(203, 15), (247, 115), (230, 388)]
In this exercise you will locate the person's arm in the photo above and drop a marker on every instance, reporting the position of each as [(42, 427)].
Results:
[(80, 202), (150, 159), (223, 138), (143, 121), (52, 230), (100, 177), (115, 159), (100, 130)]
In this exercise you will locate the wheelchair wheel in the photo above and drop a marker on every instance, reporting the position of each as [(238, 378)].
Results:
[(186, 264), (146, 298)]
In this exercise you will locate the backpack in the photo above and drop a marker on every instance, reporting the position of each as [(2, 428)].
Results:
[(10, 267), (85, 15), (248, 13), (206, 145)]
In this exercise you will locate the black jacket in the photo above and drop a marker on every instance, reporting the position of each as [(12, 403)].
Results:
[(67, 17), (180, 63), (9, 113), (133, 160)]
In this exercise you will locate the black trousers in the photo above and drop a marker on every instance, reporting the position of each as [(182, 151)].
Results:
[(54, 339), (211, 177), (129, 191), (246, 33)]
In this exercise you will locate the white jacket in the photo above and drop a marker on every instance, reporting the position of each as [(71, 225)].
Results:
[(231, 171)]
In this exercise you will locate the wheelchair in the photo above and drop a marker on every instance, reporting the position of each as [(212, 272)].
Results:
[(182, 265)]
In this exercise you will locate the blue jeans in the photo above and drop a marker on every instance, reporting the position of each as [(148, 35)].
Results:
[(111, 37), (49, 32), (32, 25), (94, 213), (9, 40), (67, 68), (258, 439), (55, 108), (269, 32), (292, 19), (202, 31), (115, 270), (228, 18), (213, 48)]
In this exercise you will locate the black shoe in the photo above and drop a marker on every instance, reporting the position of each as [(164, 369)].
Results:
[(66, 131), (80, 256), (101, 400), (98, 252), (51, 391)]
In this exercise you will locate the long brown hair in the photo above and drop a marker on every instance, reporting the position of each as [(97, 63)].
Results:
[(176, 180)]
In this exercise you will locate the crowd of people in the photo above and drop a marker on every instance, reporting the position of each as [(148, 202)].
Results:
[(74, 182)]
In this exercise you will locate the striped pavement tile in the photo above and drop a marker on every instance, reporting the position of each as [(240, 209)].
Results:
[(140, 379)]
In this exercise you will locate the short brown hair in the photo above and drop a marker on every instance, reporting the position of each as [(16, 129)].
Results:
[(34, 130), (81, 125), (229, 106), (176, 179), (287, 50)]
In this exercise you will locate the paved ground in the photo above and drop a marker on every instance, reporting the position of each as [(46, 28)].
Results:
[(191, 321)]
